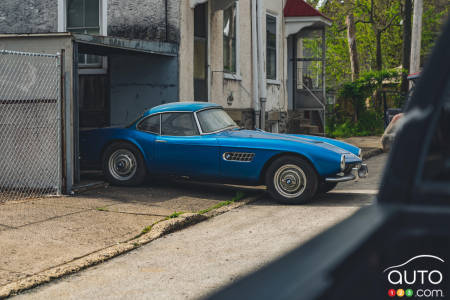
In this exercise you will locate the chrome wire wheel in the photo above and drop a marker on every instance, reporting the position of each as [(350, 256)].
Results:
[(122, 165), (290, 181)]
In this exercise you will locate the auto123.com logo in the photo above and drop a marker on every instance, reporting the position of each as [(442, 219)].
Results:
[(418, 277)]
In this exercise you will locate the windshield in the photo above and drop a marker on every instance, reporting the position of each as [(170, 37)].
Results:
[(215, 119)]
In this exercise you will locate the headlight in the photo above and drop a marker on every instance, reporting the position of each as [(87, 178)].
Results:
[(342, 163), (359, 153)]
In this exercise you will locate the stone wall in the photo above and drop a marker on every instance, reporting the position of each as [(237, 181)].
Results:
[(133, 19), (143, 19), (31, 16)]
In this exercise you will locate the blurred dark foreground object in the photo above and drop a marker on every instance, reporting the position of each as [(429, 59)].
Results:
[(398, 247)]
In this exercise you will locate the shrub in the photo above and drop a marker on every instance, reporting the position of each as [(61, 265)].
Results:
[(352, 116)]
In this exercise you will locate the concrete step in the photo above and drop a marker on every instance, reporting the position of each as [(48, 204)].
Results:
[(306, 129)]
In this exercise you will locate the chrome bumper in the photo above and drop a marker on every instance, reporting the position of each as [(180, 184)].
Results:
[(357, 172)]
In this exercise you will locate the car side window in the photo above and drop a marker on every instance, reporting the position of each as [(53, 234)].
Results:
[(436, 167), (178, 124), (437, 162), (151, 124)]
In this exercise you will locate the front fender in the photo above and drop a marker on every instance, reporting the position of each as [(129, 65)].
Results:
[(343, 145)]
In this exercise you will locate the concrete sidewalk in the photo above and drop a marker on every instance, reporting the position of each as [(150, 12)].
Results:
[(370, 145), (42, 235)]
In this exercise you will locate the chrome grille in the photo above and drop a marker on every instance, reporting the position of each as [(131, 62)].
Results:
[(238, 156)]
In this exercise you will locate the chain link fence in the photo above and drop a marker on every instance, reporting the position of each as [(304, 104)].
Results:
[(30, 125)]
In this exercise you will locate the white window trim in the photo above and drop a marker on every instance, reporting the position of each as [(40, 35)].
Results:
[(236, 75), (103, 23), (103, 16), (277, 58)]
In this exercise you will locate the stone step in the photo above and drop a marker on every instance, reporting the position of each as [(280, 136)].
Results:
[(307, 129)]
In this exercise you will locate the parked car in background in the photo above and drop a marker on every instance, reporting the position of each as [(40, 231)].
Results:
[(394, 115), (201, 141)]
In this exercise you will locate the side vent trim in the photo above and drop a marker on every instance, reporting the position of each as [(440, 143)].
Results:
[(238, 156)]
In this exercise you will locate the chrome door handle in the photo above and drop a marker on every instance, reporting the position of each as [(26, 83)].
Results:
[(161, 141)]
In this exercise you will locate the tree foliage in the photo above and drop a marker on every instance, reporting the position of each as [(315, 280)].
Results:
[(375, 19), (356, 112)]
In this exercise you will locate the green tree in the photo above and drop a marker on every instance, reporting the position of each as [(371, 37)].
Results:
[(379, 34)]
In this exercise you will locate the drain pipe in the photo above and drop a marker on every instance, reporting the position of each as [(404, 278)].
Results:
[(256, 109), (262, 73)]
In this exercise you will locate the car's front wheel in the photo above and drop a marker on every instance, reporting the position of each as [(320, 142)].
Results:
[(291, 179), (123, 165)]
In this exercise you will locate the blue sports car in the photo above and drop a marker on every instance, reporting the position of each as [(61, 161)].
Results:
[(201, 141)]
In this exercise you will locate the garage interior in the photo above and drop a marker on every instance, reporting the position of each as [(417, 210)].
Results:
[(116, 80)]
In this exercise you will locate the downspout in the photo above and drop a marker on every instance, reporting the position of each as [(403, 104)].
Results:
[(255, 66), (166, 8), (262, 72)]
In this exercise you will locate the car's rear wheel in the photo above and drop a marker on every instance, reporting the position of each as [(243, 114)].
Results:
[(123, 165), (325, 187), (291, 179)]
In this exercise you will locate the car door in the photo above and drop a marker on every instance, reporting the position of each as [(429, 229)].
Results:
[(147, 132), (181, 150)]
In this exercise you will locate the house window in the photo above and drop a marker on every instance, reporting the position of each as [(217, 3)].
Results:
[(83, 16), (230, 40), (271, 47)]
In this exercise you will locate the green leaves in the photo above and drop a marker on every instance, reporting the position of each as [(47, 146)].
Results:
[(386, 16), (355, 114)]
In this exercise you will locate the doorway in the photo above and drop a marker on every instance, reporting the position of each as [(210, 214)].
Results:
[(201, 52)]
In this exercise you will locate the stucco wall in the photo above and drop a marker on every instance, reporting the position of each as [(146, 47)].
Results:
[(277, 91), (31, 16), (239, 89), (143, 19), (140, 82), (233, 94), (186, 52)]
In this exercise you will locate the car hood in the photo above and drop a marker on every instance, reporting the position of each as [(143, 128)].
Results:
[(262, 138)]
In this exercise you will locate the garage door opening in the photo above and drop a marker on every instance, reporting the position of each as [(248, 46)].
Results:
[(129, 78)]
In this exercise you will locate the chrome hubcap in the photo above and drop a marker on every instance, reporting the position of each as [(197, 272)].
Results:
[(290, 181), (122, 164)]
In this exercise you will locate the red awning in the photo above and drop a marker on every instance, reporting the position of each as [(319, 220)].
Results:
[(299, 8)]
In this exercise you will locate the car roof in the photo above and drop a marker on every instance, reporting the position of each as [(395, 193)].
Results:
[(181, 106)]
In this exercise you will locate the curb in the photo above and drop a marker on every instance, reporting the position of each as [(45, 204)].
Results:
[(371, 152), (158, 230)]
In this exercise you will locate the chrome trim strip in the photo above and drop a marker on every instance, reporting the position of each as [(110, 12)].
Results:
[(361, 172), (341, 178), (198, 123)]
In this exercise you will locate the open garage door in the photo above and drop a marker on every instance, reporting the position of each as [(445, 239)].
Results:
[(30, 125)]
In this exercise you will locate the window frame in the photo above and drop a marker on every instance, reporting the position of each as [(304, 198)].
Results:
[(197, 122), (194, 118), (139, 128), (237, 74), (277, 46), (426, 187), (88, 69), (200, 126)]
